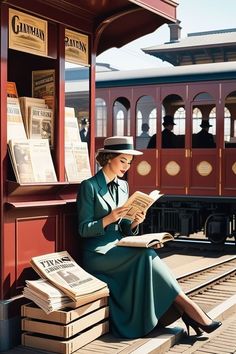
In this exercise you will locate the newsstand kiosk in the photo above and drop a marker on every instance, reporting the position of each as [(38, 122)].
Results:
[(45, 38)]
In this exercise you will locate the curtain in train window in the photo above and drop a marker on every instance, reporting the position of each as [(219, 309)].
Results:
[(146, 115), (121, 117), (230, 121), (173, 135), (203, 121), (101, 118)]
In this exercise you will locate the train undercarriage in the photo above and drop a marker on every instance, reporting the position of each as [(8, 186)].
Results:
[(184, 216)]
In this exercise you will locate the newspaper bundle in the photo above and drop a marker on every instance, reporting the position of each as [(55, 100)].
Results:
[(46, 296), (61, 270), (50, 298)]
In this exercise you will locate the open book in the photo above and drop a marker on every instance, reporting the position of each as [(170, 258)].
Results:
[(153, 240), (140, 202)]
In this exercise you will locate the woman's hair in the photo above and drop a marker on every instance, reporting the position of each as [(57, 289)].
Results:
[(103, 157)]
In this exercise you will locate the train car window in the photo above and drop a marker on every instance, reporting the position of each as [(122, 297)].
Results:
[(173, 122), (230, 121), (101, 118), (121, 116), (203, 121), (146, 115)]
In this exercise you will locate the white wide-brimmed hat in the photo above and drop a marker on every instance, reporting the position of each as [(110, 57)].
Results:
[(120, 145)]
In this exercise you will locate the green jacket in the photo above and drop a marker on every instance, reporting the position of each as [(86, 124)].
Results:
[(94, 202)]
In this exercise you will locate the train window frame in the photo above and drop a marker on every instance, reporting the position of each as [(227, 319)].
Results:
[(101, 115)]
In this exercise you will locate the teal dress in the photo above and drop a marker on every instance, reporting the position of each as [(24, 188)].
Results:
[(141, 286)]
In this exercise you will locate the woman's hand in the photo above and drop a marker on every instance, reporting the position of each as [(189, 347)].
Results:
[(139, 218), (114, 216)]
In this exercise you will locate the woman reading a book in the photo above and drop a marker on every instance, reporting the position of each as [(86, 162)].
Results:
[(142, 288)]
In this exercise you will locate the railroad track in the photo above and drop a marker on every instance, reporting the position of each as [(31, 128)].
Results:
[(211, 285)]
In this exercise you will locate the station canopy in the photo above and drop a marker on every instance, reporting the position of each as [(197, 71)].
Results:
[(118, 22), (122, 21)]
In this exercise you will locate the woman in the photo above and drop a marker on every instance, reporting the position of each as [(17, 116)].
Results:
[(141, 286)]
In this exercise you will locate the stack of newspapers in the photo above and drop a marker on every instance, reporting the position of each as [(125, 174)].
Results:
[(63, 283)]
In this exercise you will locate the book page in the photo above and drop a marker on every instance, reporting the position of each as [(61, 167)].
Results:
[(140, 202), (154, 240)]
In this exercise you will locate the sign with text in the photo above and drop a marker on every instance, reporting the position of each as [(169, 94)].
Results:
[(28, 33), (76, 48)]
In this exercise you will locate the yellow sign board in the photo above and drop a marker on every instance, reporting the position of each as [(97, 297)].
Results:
[(28, 33), (76, 48)]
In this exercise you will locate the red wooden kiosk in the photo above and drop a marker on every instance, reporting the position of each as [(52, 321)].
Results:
[(41, 218)]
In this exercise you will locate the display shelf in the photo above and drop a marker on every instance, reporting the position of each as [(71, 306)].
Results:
[(17, 189)]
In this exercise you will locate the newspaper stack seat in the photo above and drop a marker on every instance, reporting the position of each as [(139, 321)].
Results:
[(64, 331)]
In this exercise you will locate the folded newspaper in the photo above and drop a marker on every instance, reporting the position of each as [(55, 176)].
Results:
[(61, 270)]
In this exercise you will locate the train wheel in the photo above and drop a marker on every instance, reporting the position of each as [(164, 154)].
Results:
[(216, 228)]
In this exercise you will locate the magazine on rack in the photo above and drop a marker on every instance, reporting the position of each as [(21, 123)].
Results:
[(61, 270), (32, 160), (153, 240), (140, 202), (15, 125), (41, 123), (77, 162)]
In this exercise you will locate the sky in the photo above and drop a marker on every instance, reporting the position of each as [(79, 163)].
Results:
[(195, 16)]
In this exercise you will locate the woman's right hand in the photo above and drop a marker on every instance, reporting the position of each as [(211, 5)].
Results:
[(114, 216)]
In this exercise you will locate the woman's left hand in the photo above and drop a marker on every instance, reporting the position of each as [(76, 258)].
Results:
[(139, 218)]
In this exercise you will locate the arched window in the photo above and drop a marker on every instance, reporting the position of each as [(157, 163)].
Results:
[(179, 116), (101, 118), (173, 106), (230, 120), (121, 116), (203, 121), (146, 115), (197, 118), (212, 120)]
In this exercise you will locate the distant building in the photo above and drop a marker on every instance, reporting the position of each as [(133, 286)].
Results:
[(197, 48)]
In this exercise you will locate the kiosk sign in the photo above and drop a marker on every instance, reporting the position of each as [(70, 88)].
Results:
[(76, 47), (28, 33)]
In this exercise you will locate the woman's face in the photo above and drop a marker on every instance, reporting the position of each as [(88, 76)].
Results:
[(119, 165)]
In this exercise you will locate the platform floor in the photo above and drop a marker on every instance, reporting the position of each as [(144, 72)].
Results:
[(170, 340), (164, 341)]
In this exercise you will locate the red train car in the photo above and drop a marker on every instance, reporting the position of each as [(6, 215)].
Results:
[(199, 182)]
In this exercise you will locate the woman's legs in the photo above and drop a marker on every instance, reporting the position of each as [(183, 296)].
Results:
[(188, 306)]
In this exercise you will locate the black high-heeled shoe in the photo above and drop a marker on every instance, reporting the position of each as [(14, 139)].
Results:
[(198, 327), (189, 323)]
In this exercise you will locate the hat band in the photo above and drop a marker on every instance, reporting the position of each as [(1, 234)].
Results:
[(119, 147)]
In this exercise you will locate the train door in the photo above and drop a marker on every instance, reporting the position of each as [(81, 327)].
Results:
[(143, 175), (204, 177), (172, 168), (229, 143)]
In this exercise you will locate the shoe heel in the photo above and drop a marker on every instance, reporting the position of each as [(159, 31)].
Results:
[(190, 323)]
